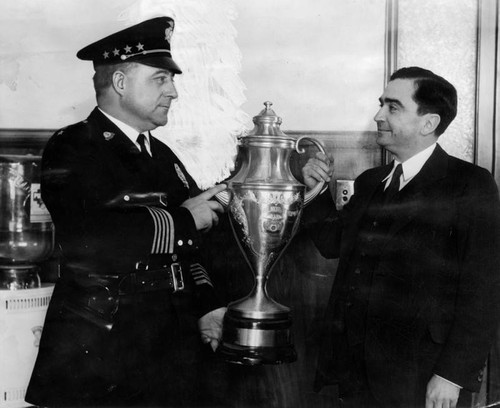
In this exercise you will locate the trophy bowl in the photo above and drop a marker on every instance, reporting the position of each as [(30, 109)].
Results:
[(265, 203)]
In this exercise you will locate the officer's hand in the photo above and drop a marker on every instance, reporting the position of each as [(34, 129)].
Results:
[(441, 393), (204, 210), (318, 169), (210, 326)]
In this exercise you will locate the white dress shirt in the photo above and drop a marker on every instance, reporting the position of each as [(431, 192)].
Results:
[(129, 131), (411, 167)]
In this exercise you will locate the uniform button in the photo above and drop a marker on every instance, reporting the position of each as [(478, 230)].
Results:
[(357, 271), (190, 242), (180, 243), (174, 257), (126, 198), (375, 223)]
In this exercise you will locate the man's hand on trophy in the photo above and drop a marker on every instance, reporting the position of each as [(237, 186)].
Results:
[(210, 326), (317, 169), (203, 209)]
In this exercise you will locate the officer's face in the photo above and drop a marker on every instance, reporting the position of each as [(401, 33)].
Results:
[(398, 123), (147, 95)]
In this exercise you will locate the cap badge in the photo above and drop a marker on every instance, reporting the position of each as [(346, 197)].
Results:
[(181, 175), (108, 135), (168, 32)]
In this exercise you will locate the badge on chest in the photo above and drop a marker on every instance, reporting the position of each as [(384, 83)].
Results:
[(181, 176)]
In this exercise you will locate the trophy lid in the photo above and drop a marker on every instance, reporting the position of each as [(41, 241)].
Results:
[(267, 123)]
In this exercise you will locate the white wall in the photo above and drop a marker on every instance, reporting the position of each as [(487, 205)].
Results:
[(319, 61)]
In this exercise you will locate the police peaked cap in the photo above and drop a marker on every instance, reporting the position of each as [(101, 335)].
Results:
[(146, 43)]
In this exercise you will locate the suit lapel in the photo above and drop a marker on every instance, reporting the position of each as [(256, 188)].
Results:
[(365, 200), (415, 193)]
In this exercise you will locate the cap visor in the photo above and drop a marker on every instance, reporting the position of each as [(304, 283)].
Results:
[(159, 62)]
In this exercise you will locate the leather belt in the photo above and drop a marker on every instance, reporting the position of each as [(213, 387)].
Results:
[(145, 279), (96, 297)]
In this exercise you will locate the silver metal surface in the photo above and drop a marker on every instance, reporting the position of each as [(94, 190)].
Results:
[(26, 229), (265, 204), (262, 338), (19, 277)]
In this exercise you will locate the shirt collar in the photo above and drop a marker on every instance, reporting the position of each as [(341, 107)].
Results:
[(414, 164), (128, 130)]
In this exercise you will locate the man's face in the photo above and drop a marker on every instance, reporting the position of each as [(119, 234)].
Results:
[(148, 93), (398, 123)]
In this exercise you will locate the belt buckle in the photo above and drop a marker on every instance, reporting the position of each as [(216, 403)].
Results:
[(177, 277)]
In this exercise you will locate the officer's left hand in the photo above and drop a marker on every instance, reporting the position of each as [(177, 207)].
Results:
[(441, 393), (210, 326)]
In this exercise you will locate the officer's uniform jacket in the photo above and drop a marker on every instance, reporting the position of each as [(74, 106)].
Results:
[(432, 303), (114, 212)]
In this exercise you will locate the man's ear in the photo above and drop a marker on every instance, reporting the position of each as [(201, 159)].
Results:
[(431, 122), (119, 79)]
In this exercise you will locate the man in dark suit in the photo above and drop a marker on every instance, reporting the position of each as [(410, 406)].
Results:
[(414, 306), (123, 326)]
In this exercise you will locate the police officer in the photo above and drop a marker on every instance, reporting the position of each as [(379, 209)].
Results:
[(123, 326)]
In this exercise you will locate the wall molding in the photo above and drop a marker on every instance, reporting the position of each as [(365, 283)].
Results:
[(24, 138), (486, 127)]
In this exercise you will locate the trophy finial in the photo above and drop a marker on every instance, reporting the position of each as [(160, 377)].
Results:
[(267, 123)]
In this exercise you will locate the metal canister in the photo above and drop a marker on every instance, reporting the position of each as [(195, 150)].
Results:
[(26, 229)]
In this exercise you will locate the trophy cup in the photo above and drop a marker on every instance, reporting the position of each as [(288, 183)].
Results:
[(265, 204)]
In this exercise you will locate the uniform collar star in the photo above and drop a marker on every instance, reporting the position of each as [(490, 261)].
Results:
[(106, 54), (116, 52), (127, 49), (140, 47)]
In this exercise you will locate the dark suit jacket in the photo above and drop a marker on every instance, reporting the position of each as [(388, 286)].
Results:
[(94, 182), (433, 306)]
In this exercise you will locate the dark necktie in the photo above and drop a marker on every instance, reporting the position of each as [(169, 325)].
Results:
[(393, 188), (144, 152)]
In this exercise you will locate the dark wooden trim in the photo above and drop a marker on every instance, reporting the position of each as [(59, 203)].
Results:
[(24, 138)]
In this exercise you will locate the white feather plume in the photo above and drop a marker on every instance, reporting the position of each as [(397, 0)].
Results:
[(206, 119)]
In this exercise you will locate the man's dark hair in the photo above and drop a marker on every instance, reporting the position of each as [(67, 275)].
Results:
[(433, 94), (103, 76)]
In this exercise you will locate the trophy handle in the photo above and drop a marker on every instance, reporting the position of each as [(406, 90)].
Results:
[(223, 197), (320, 187)]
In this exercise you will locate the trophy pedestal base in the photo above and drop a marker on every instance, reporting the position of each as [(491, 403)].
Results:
[(256, 341)]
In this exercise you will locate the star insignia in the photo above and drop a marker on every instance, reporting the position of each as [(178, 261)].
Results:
[(106, 55), (128, 49), (140, 47), (116, 52)]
